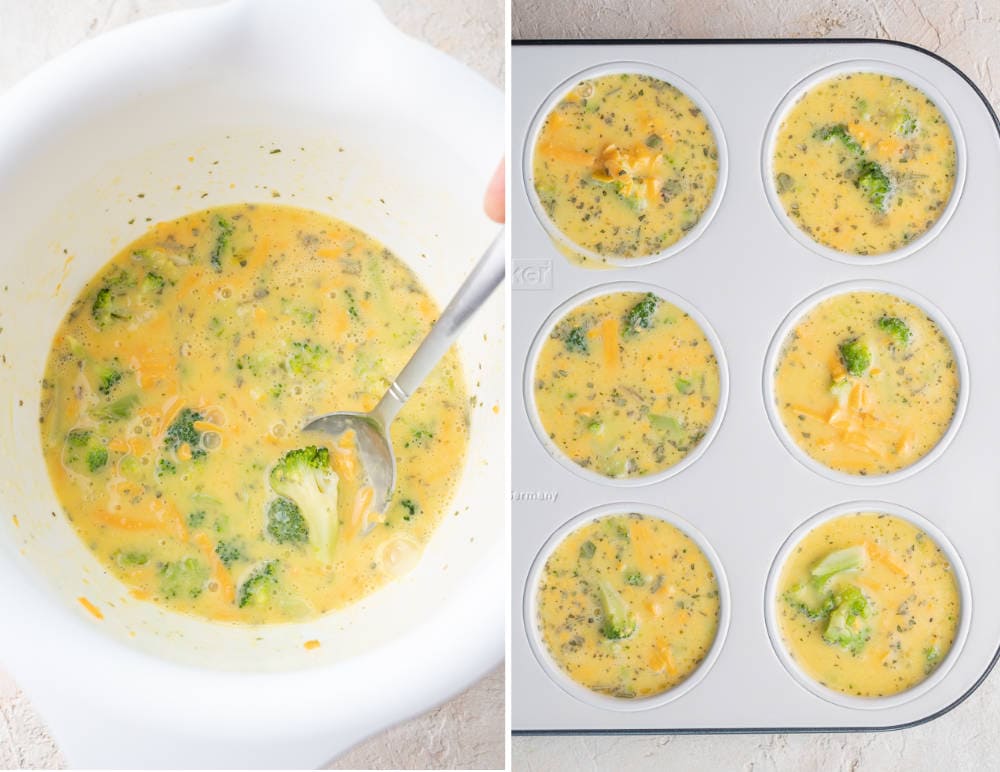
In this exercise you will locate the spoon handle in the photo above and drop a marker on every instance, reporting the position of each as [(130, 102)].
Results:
[(485, 277)]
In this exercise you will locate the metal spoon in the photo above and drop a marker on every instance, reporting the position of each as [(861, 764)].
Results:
[(372, 429)]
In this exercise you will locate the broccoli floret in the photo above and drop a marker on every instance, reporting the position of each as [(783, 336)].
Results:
[(411, 508), (635, 578), (812, 598), (654, 141), (848, 559), (153, 283), (932, 656), (108, 378), (684, 386), (108, 304), (619, 621), (285, 523), (183, 578), (896, 327), (97, 458), (875, 184), (85, 451), (223, 241), (182, 432), (640, 316), (839, 132), (196, 519), (905, 124), (576, 340), (587, 549), (856, 356), (165, 467), (308, 357), (305, 476), (848, 626), (229, 552), (259, 587), (596, 426)]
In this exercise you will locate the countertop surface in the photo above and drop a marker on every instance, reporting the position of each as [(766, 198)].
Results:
[(966, 33), (465, 733)]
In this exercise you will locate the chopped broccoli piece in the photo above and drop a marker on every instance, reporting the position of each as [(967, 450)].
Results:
[(97, 458), (640, 316), (932, 656), (856, 356), (587, 549), (837, 562), (654, 141), (118, 410), (905, 124), (257, 362), (896, 327), (665, 423), (285, 523), (108, 378), (229, 552), (183, 578), (411, 508), (308, 357), (78, 438), (810, 600), (153, 283), (85, 451), (635, 578), (875, 184), (305, 476), (684, 386), (576, 340), (196, 519), (109, 303), (223, 241), (619, 621), (839, 132), (165, 467), (182, 432), (130, 558), (596, 426), (258, 588), (848, 627)]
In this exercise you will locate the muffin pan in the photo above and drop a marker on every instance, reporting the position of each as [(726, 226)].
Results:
[(744, 492)]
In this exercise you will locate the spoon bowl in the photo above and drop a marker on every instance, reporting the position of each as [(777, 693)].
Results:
[(374, 449), (372, 429)]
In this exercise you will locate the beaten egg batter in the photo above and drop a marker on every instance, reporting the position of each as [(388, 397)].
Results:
[(866, 383), (625, 165), (864, 163), (667, 596), (627, 384), (868, 604), (183, 373)]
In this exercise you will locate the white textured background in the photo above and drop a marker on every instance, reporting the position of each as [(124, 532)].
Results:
[(466, 733), (968, 34)]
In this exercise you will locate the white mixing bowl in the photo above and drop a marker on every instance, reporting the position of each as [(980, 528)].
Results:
[(179, 113)]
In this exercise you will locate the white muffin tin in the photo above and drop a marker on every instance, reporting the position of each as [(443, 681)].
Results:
[(747, 493)]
